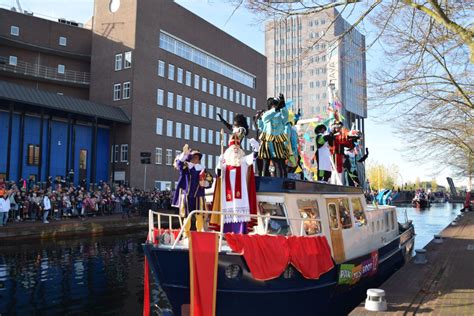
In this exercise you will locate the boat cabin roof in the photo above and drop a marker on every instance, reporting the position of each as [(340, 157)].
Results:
[(281, 185)]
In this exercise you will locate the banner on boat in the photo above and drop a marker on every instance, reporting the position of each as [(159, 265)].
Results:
[(351, 273)]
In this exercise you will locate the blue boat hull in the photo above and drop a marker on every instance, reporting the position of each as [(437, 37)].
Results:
[(289, 294)]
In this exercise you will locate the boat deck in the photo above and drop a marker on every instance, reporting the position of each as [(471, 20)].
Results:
[(443, 286)]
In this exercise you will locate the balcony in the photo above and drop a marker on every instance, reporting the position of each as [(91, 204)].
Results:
[(25, 69)]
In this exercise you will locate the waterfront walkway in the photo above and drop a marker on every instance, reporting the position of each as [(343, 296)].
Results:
[(443, 286), (72, 227)]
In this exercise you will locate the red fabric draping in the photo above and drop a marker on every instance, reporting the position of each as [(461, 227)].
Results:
[(266, 256), (158, 232), (311, 256), (203, 259), (146, 291)]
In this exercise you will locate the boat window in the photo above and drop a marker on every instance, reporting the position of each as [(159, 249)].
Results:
[(274, 226), (359, 214), (387, 221), (344, 213), (333, 216), (309, 212)]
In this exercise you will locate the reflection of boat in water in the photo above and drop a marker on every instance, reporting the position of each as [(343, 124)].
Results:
[(365, 245)]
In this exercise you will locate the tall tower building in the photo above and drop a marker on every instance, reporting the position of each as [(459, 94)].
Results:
[(308, 62)]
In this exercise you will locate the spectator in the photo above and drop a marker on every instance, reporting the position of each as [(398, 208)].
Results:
[(4, 208)]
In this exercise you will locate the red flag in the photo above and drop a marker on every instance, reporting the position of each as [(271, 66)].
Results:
[(203, 259), (146, 291)]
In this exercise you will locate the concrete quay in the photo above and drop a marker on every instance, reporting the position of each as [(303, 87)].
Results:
[(71, 228), (442, 286)]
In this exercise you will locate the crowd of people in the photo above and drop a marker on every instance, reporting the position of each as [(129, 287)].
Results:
[(57, 201)]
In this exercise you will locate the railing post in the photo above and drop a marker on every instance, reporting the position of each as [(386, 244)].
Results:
[(150, 226)]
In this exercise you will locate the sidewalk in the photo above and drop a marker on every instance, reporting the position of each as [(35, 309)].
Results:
[(443, 286), (72, 227)]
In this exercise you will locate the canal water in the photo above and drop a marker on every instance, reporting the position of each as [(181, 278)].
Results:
[(104, 275)]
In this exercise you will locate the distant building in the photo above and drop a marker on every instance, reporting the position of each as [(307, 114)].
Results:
[(147, 76), (304, 58)]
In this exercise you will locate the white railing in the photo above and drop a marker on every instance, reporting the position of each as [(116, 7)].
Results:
[(51, 73), (265, 217)]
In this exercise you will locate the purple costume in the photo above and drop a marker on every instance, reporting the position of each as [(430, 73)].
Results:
[(189, 195)]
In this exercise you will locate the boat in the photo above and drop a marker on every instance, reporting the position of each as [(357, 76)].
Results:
[(366, 245), (420, 202)]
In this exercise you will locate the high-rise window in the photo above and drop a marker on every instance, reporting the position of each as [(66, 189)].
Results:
[(254, 103), (188, 78), (196, 81), (243, 99), (209, 161), (211, 87), (224, 92), (218, 137), (118, 62), (169, 157), (218, 111), (159, 126), (196, 107), (178, 129), (127, 63), (126, 90), (13, 61), (231, 94), (224, 114), (187, 131), (62, 41), (161, 68), (237, 97), (203, 109), (158, 155), (61, 69), (210, 113), (160, 97), (203, 135), (204, 85), (169, 128), (218, 90), (231, 116), (170, 100), (14, 30), (124, 153), (195, 133), (210, 134), (249, 104), (114, 153), (179, 102), (170, 72), (117, 91), (187, 105), (180, 75)]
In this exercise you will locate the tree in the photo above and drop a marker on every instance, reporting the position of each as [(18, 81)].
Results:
[(428, 90), (381, 176), (451, 15), (434, 185)]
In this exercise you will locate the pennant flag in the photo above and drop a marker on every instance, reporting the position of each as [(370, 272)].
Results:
[(203, 259)]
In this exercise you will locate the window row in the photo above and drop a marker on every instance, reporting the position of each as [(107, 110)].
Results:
[(195, 107), (119, 153), (194, 133), (15, 31), (118, 95), (208, 161), (204, 59), (205, 85), (123, 61), (13, 61)]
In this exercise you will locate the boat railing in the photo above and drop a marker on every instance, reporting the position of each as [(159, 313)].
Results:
[(265, 217)]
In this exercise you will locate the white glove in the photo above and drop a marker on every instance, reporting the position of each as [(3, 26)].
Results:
[(254, 144)]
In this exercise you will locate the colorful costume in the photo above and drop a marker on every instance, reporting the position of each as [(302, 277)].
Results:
[(323, 154), (341, 141), (237, 195), (273, 137), (189, 195)]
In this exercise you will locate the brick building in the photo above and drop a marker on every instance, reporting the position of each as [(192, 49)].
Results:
[(148, 76)]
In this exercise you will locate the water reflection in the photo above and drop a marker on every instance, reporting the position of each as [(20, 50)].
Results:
[(430, 221), (92, 276)]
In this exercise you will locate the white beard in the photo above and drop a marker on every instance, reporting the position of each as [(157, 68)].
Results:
[(232, 158)]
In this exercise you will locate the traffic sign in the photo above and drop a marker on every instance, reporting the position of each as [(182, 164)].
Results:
[(145, 154)]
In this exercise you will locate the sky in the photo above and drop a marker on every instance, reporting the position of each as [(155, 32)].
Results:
[(380, 137)]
